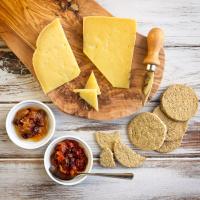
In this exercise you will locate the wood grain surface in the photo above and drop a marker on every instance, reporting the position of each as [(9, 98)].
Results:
[(36, 183), (163, 176), (22, 21)]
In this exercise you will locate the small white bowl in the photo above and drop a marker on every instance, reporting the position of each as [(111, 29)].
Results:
[(27, 144), (47, 163)]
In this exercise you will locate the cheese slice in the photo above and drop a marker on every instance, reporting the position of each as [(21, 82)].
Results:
[(109, 44), (92, 83), (90, 96), (53, 60)]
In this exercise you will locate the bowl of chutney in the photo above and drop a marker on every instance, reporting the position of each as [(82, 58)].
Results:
[(30, 124), (66, 157)]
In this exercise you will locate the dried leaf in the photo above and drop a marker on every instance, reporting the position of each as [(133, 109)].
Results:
[(74, 7), (63, 5)]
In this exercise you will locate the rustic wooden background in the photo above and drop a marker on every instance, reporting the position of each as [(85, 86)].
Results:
[(163, 176)]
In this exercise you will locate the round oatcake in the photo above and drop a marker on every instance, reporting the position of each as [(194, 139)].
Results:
[(179, 102), (169, 146), (175, 129), (126, 156), (106, 139), (106, 158), (147, 131)]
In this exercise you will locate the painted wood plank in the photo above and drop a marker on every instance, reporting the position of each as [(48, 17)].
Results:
[(156, 179), (16, 82), (182, 66), (85, 129)]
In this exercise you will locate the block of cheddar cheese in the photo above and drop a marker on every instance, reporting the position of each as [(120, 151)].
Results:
[(53, 60), (109, 44)]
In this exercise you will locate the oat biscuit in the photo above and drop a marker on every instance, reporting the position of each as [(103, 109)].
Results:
[(107, 140), (107, 159), (169, 146), (175, 129), (126, 156), (147, 131), (179, 102)]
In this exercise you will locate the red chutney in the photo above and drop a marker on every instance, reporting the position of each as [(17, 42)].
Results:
[(68, 159)]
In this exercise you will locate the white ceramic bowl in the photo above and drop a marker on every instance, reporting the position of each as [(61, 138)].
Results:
[(27, 144), (49, 151)]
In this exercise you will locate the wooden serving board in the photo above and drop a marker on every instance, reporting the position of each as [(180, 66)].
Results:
[(22, 20)]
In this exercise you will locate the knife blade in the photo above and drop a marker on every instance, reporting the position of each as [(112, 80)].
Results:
[(155, 41)]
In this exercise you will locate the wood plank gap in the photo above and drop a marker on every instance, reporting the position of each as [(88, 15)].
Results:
[(96, 159), (15, 102), (50, 102)]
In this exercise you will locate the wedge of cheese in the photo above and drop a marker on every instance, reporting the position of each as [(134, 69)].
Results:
[(53, 60), (92, 83), (90, 96), (109, 44)]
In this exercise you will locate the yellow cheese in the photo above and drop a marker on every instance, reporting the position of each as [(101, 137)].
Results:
[(90, 96), (109, 44), (92, 83), (53, 60)]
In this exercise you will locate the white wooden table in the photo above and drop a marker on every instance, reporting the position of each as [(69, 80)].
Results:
[(163, 176)]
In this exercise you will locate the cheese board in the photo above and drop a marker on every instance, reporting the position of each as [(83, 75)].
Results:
[(20, 24)]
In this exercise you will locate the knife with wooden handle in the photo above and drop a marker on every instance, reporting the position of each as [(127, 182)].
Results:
[(155, 41)]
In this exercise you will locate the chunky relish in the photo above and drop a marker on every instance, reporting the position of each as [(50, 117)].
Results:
[(31, 123), (67, 159)]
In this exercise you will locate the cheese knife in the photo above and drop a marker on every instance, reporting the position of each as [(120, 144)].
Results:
[(155, 41)]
